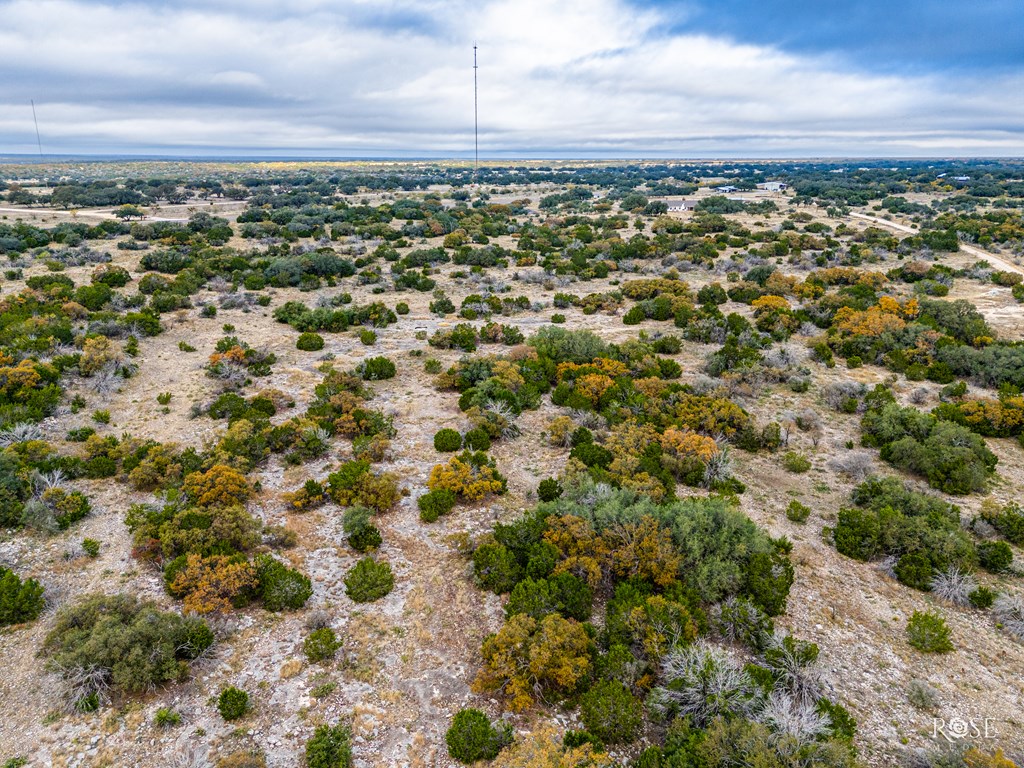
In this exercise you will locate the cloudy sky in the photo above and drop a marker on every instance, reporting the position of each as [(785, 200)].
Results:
[(686, 78)]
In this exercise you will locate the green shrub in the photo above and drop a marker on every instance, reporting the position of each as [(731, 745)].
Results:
[(101, 417), (376, 369), (796, 462), (592, 455), (574, 739), (563, 593), (402, 308), (447, 440), (369, 580), (136, 645), (432, 365), (166, 718), (321, 644), (477, 440), (995, 556), (634, 316), (472, 737), (769, 577), (982, 597), (232, 703), (91, 547), (323, 691), (310, 342), (928, 633), (915, 570), (368, 337), (361, 534), (798, 512), (496, 568), (922, 530), (164, 398), (549, 489), (20, 601), (611, 712), (558, 318), (329, 747), (1009, 521), (950, 456), (436, 503), (281, 587)]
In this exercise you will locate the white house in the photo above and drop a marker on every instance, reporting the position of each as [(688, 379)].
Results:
[(773, 186), (681, 205), (727, 189)]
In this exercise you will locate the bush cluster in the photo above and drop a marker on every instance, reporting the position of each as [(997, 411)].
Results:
[(121, 642)]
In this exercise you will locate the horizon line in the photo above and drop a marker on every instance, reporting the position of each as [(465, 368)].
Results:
[(28, 158)]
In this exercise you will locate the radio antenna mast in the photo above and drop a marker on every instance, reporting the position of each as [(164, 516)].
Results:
[(39, 141), (476, 123)]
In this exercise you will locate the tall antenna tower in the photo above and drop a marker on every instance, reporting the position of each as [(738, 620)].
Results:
[(39, 141), (476, 123)]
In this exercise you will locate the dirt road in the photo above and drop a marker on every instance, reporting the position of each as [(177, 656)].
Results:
[(96, 214), (996, 261)]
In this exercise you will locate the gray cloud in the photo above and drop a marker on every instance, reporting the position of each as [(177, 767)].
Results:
[(378, 77)]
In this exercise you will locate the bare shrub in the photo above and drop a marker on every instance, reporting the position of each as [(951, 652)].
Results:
[(20, 433), (808, 420), (39, 517), (839, 392), (1009, 611), (922, 695), (719, 466), (920, 395), (192, 757), (954, 586), (797, 718), (856, 465), (704, 682), (237, 300), (318, 619), (796, 668), (105, 381), (704, 385), (78, 683), (785, 356), (982, 528), (589, 419), (887, 566), (737, 620)]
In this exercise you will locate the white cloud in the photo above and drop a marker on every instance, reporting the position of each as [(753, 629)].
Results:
[(393, 75)]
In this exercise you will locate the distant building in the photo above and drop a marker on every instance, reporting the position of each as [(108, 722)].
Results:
[(681, 205), (727, 189), (773, 186), (961, 178)]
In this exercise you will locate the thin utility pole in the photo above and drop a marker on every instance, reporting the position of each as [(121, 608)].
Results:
[(39, 141), (476, 123)]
